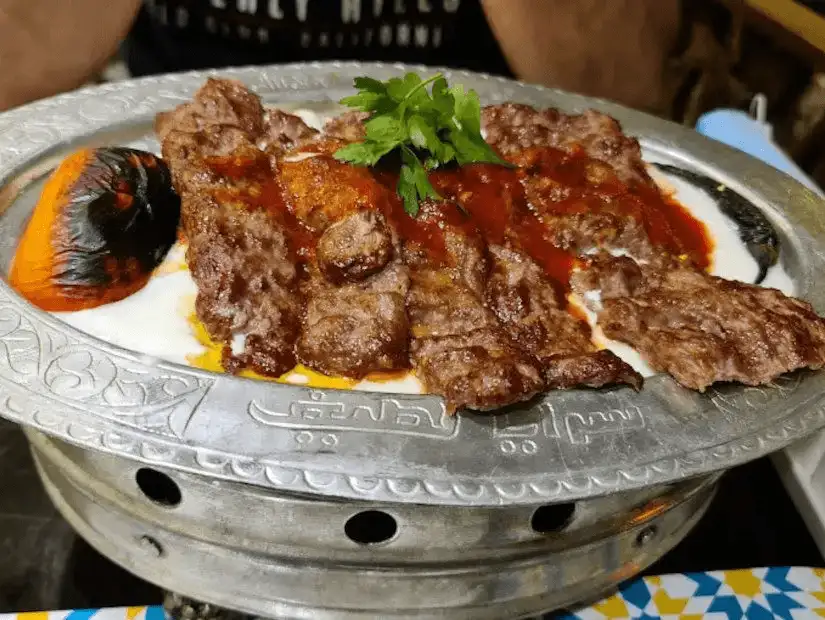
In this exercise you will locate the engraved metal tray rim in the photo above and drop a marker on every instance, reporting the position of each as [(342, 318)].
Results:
[(564, 446)]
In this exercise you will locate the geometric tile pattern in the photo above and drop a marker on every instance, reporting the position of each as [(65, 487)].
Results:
[(112, 613), (752, 594)]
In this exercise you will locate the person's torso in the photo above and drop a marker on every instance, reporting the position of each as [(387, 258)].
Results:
[(177, 35)]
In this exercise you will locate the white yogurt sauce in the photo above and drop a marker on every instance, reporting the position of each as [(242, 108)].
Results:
[(731, 259), (155, 320)]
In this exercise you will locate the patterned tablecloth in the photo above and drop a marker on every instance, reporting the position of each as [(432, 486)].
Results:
[(757, 594)]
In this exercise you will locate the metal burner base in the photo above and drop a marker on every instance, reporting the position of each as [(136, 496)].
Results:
[(179, 607), (274, 555)]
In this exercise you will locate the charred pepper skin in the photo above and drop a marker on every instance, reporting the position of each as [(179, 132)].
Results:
[(106, 219)]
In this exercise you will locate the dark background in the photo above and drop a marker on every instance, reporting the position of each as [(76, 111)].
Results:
[(814, 5), (751, 523)]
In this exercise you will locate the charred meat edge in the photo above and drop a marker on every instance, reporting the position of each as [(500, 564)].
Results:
[(239, 256)]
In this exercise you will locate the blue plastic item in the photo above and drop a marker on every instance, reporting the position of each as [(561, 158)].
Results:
[(741, 131)]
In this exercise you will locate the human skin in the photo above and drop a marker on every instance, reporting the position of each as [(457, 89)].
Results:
[(615, 49), (49, 46)]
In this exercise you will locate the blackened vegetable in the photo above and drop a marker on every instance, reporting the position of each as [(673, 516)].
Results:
[(755, 230), (105, 220)]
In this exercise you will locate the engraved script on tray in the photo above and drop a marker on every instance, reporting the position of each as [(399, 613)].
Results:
[(518, 433), (364, 414), (730, 399), (582, 427)]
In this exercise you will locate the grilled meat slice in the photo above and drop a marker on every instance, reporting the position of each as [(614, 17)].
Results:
[(284, 132), (188, 152), (612, 276), (240, 252), (355, 247), (247, 289), (526, 303), (621, 276), (347, 127), (218, 103), (585, 179), (702, 329), (478, 369), (594, 370), (513, 128), (354, 329), (356, 321), (458, 348)]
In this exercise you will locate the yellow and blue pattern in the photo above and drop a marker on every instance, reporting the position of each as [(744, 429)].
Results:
[(752, 594), (111, 613)]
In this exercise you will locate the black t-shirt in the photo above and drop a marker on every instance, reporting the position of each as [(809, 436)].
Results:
[(177, 35)]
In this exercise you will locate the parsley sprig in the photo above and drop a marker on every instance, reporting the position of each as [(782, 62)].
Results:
[(424, 128)]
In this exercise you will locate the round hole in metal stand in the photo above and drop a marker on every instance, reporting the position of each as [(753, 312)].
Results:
[(552, 518), (158, 487), (370, 527), (151, 546), (646, 535)]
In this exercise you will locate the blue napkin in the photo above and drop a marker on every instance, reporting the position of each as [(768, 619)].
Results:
[(741, 131)]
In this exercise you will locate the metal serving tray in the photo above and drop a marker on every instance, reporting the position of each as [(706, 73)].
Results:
[(563, 446)]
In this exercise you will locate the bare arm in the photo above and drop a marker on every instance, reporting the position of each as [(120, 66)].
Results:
[(47, 46), (607, 48)]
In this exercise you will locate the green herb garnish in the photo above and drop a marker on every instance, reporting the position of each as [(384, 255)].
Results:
[(424, 129)]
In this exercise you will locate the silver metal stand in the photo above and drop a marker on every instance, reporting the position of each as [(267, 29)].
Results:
[(294, 557)]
